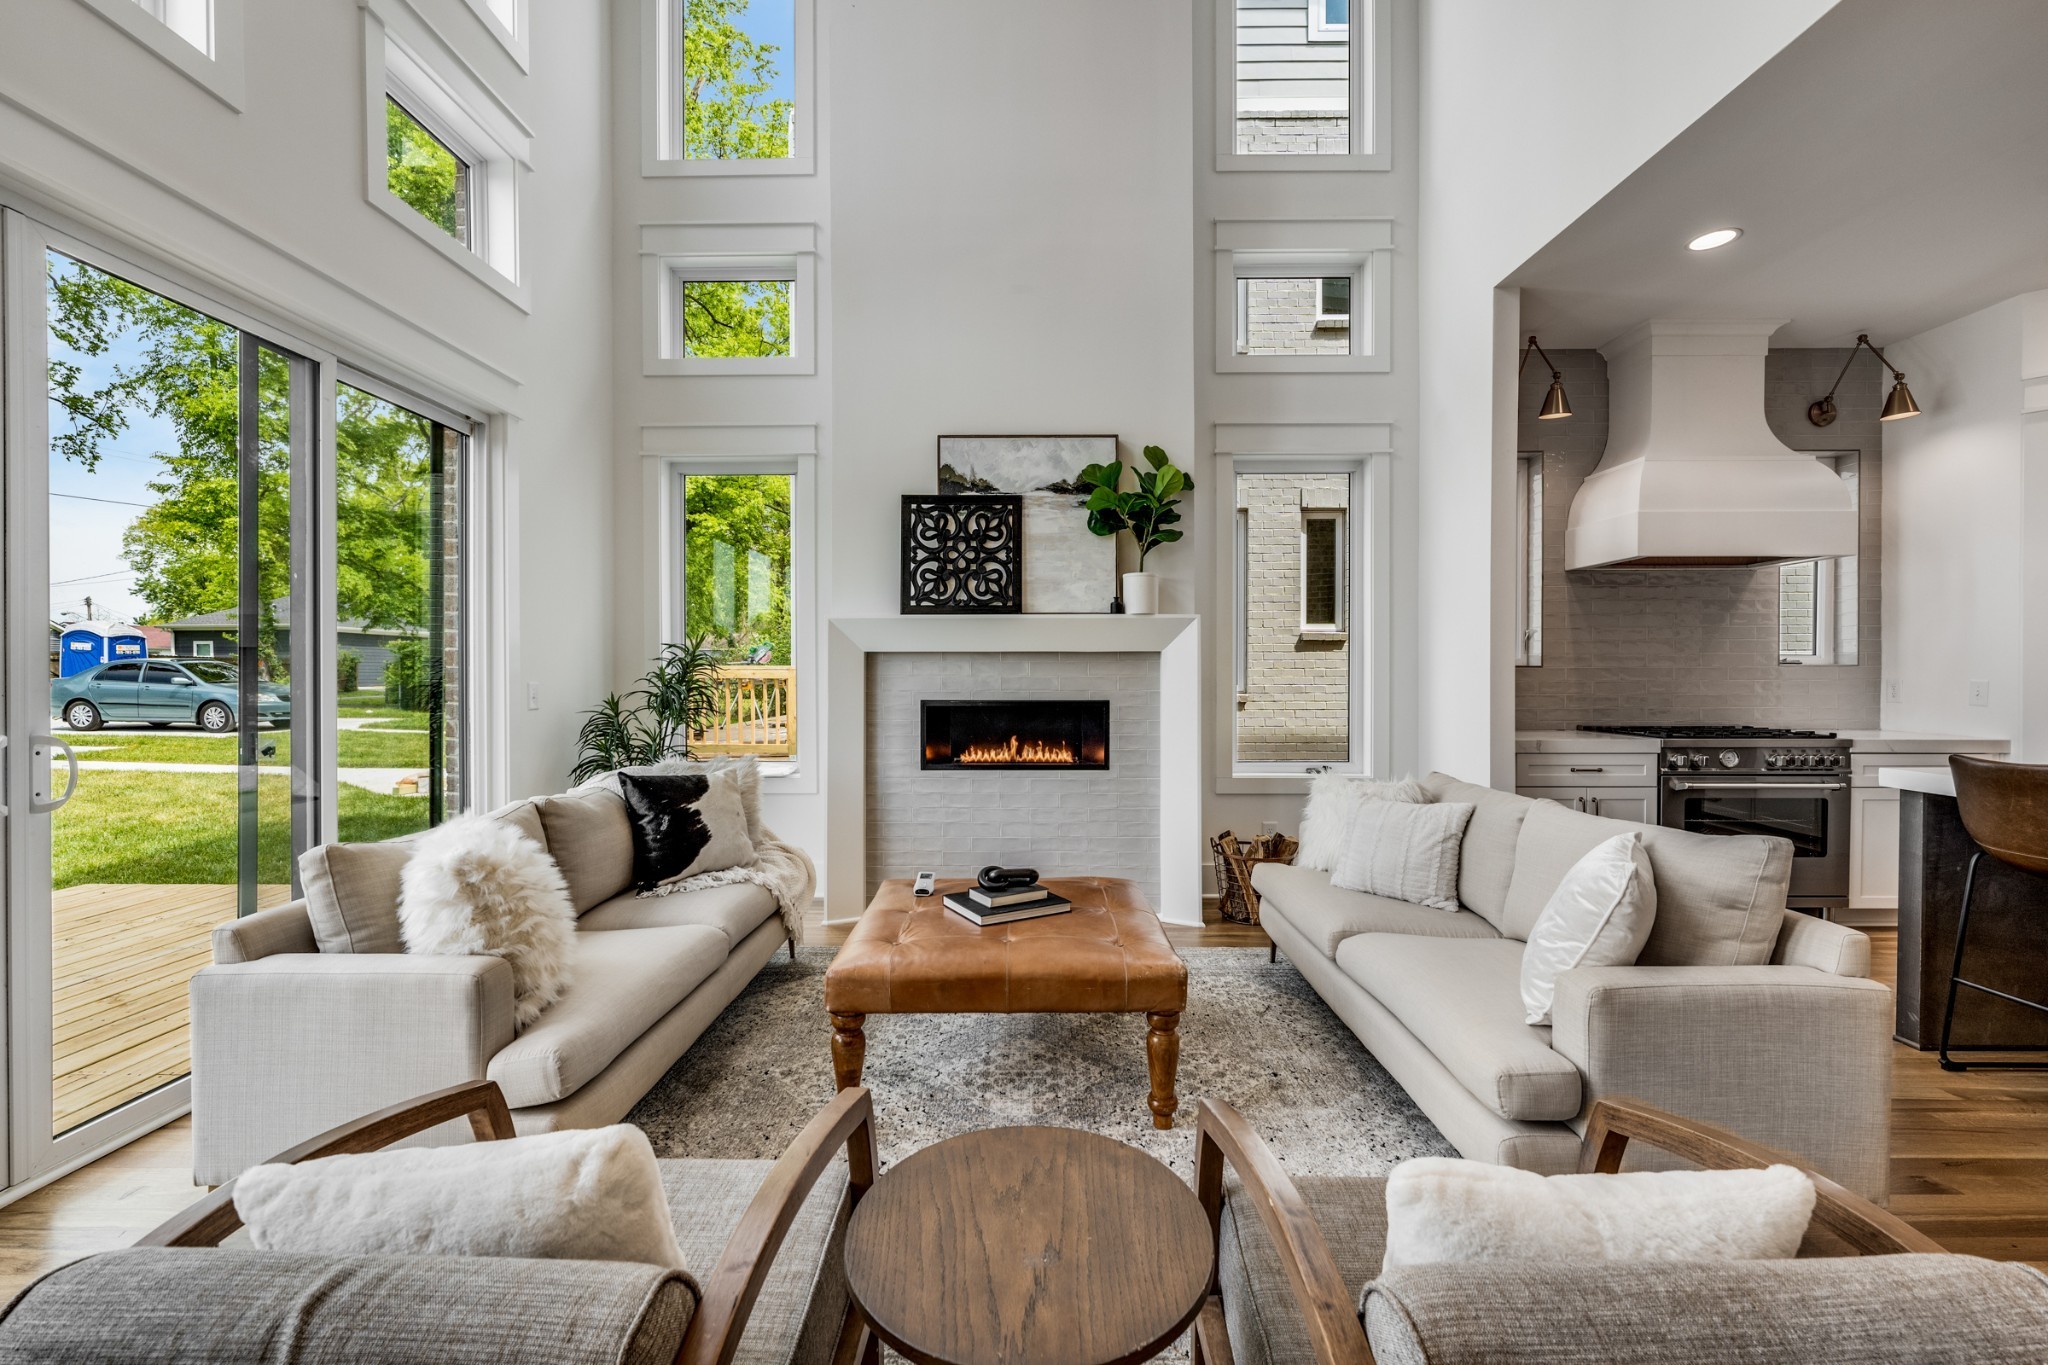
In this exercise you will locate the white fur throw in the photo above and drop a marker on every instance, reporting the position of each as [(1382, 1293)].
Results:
[(1333, 800), (579, 1195), (475, 887), (1445, 1209)]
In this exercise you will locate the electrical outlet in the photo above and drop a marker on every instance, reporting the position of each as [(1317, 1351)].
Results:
[(533, 696), (1980, 692), (1270, 827), (1891, 689)]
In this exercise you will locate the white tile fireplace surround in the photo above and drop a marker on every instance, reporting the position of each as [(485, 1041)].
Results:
[(886, 816)]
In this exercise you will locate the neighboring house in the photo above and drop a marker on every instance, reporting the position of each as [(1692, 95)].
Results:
[(1294, 76), (212, 635), (1294, 692)]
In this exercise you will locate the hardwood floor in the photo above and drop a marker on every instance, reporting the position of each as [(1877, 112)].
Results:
[(1969, 1158)]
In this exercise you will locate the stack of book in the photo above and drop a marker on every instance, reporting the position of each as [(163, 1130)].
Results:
[(1006, 907)]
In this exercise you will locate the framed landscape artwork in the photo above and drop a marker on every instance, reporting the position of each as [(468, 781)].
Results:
[(1067, 567)]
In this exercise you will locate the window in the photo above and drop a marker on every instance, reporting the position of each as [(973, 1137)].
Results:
[(730, 85), (202, 39), (738, 598), (202, 649), (734, 317), (421, 168), (1818, 618), (1296, 694), (1305, 295), (1299, 85), (1529, 560), (505, 20), (1281, 316), (730, 298), (191, 20)]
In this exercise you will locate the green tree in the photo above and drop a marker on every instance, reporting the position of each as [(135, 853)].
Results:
[(726, 74), (736, 317), (421, 170), (736, 563)]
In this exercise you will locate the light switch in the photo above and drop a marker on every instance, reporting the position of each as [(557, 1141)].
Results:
[(1891, 689), (533, 696), (1980, 692)]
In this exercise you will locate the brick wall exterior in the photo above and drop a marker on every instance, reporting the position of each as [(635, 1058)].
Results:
[(1691, 648), (1280, 319), (1295, 706), (1098, 822), (1294, 134)]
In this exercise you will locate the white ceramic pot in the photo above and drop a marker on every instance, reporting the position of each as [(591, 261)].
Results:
[(1141, 594)]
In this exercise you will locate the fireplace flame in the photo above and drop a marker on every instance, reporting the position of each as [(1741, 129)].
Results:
[(1058, 753)]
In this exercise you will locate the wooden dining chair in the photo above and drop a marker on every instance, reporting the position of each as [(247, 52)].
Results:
[(2004, 807)]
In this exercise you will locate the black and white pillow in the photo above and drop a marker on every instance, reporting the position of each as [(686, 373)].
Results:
[(684, 824)]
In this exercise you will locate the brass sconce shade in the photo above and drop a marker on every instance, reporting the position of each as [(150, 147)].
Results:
[(1555, 404), (1898, 403)]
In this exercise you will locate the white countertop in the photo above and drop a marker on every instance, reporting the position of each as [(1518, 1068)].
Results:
[(1917, 742), (1933, 781)]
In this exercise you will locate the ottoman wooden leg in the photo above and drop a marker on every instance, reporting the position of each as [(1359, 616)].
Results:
[(1162, 1050), (849, 1049)]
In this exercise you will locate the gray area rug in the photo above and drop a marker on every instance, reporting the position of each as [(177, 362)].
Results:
[(1254, 1034)]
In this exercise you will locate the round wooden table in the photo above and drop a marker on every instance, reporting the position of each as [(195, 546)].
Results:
[(1029, 1246)]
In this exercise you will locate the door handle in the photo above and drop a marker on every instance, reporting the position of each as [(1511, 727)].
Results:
[(1587, 770), (36, 802), (1681, 785)]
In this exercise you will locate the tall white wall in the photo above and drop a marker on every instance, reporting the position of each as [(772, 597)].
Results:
[(1530, 113), (1966, 531), (266, 207)]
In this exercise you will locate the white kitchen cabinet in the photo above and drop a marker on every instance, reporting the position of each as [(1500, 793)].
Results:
[(1873, 848), (1616, 803)]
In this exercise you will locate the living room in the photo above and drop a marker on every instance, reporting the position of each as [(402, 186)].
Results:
[(553, 517)]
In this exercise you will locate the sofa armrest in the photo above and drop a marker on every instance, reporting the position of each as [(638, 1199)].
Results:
[(1793, 1057), (1809, 941), (293, 1044), (280, 929)]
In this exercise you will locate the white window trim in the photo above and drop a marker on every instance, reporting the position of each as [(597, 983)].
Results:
[(671, 254), (1366, 451), (1322, 248), (217, 69), (1320, 29), (1372, 102), (202, 649), (510, 30), (1529, 559), (669, 453), (1340, 628), (1827, 588), (661, 112), (407, 60)]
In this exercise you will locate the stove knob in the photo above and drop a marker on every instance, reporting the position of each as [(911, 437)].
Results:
[(1774, 760), (1730, 759), (1698, 761), (1674, 761), (1807, 760)]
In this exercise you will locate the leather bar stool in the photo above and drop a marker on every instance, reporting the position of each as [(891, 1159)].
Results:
[(2005, 810)]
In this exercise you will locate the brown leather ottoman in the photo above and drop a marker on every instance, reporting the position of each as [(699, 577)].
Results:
[(1109, 955)]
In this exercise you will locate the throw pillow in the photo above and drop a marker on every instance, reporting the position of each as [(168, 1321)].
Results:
[(1333, 799), (1404, 851), (1599, 916), (1448, 1209), (477, 887), (746, 770), (352, 895), (580, 1195), (684, 824)]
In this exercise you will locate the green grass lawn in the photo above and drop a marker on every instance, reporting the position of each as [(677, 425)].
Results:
[(358, 748), (164, 828), (369, 701)]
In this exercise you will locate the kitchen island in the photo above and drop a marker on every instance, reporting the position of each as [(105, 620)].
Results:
[(2008, 927)]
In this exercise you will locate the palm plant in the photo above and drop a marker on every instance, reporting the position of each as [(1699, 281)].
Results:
[(676, 699)]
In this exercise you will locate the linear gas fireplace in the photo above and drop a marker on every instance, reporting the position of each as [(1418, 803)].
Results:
[(1016, 734)]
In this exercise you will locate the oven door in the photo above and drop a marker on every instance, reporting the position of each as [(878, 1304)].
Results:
[(1811, 812)]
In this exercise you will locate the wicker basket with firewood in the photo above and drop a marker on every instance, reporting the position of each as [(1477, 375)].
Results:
[(1235, 859)]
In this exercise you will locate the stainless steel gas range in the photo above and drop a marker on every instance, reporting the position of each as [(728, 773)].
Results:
[(1744, 779)]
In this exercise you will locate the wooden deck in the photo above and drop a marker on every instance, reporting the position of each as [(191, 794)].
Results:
[(123, 956)]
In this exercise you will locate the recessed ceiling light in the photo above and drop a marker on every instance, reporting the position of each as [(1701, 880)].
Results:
[(1707, 241)]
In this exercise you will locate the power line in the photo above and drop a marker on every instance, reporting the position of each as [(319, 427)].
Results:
[(117, 502)]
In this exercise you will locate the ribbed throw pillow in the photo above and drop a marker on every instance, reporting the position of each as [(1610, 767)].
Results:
[(1333, 802), (1404, 852)]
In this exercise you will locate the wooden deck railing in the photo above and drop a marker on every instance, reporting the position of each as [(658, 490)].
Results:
[(756, 713)]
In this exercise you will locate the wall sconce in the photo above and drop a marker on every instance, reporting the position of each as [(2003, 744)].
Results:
[(1554, 403), (1898, 403)]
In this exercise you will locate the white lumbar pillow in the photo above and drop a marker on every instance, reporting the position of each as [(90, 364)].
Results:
[(579, 1195), (1446, 1209), (1405, 852), (477, 887), (1333, 799), (1599, 916)]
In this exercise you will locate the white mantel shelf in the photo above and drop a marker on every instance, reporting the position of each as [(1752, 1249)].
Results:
[(1175, 639)]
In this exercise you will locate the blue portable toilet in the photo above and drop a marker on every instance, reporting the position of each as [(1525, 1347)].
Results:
[(92, 642)]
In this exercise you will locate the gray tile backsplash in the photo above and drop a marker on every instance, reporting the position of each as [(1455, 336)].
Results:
[(1694, 647)]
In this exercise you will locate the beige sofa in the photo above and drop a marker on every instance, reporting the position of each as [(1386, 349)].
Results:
[(312, 1013), (1737, 1012)]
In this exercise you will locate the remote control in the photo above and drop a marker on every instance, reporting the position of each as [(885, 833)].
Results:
[(923, 886)]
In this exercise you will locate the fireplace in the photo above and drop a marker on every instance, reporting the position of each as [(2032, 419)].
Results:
[(1057, 735)]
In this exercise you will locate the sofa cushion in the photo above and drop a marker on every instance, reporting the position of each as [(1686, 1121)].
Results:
[(1720, 898), (1462, 999), (803, 1300), (591, 841), (1327, 915), (1259, 1309), (1486, 861), (734, 911), (620, 984), (215, 1305), (523, 816), (352, 895)]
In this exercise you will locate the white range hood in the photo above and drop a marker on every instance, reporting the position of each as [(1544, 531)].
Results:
[(1692, 477)]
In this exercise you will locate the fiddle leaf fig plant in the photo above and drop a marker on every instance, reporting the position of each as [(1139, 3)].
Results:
[(1147, 511)]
